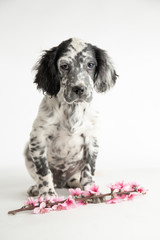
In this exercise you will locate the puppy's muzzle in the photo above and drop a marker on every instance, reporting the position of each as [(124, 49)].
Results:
[(78, 90)]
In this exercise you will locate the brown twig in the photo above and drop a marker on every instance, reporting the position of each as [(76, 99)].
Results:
[(104, 195), (22, 209)]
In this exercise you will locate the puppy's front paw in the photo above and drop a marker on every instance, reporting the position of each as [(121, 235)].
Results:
[(48, 192), (33, 191)]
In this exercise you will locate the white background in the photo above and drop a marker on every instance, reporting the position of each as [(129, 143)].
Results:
[(130, 114), (128, 30)]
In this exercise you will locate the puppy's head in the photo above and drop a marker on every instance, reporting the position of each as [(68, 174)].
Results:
[(74, 69)]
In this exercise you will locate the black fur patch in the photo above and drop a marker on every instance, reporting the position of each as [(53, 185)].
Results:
[(73, 179), (47, 77), (45, 183), (104, 66)]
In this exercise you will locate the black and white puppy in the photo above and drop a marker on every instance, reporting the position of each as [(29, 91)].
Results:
[(63, 145)]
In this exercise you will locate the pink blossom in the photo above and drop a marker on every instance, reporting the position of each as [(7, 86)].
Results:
[(141, 190), (75, 192), (70, 202), (58, 199), (40, 199), (122, 196), (94, 189), (60, 206), (127, 188), (81, 203), (31, 201), (121, 185), (49, 199), (46, 199), (113, 201), (131, 196), (134, 185), (112, 187), (86, 193), (42, 209)]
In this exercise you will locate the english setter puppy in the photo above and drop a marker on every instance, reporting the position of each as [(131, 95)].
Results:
[(63, 146)]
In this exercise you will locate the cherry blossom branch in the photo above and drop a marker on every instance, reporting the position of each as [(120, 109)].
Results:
[(118, 192), (32, 207), (83, 199)]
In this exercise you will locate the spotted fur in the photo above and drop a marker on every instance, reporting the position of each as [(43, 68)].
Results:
[(63, 146)]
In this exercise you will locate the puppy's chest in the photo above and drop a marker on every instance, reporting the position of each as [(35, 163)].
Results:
[(68, 131), (65, 147), (65, 154)]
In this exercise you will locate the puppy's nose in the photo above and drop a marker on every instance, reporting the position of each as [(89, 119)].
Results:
[(79, 90)]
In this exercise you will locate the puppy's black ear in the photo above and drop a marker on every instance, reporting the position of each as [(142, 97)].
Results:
[(105, 75), (47, 74)]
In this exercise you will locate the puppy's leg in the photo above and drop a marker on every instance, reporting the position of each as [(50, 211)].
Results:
[(41, 172), (87, 176), (90, 156), (33, 190), (87, 173)]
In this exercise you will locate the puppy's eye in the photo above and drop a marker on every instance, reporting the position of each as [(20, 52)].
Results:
[(90, 65), (65, 67)]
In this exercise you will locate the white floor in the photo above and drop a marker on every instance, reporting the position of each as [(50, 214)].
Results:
[(134, 220)]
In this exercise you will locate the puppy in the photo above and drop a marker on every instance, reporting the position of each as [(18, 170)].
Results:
[(63, 146)]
